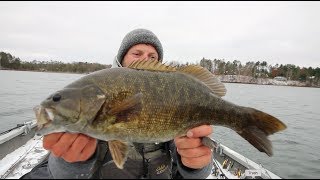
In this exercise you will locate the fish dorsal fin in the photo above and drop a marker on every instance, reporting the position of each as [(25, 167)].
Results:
[(151, 65), (198, 72), (205, 76), (119, 151)]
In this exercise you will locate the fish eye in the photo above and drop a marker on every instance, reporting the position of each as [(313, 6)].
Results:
[(56, 97)]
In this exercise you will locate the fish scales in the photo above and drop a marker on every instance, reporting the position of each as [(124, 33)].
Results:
[(169, 101)]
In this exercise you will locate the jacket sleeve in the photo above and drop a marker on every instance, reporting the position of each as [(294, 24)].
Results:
[(189, 173), (61, 169)]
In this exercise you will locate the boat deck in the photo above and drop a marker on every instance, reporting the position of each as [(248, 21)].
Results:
[(23, 159)]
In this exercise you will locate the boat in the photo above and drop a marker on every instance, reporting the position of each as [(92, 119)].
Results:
[(21, 150), (229, 164)]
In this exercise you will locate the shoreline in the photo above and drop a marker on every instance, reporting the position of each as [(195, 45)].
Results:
[(240, 79), (263, 81), (268, 84), (42, 71)]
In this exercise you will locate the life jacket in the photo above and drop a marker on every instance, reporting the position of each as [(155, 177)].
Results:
[(152, 161)]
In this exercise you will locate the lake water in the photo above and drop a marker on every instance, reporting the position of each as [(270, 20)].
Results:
[(296, 150)]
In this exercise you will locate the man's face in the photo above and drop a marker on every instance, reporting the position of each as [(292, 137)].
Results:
[(143, 52)]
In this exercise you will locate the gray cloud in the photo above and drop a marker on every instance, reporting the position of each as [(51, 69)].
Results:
[(276, 32)]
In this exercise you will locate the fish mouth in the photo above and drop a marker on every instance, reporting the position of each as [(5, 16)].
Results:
[(44, 116)]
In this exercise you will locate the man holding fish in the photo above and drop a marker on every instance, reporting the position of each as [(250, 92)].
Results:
[(76, 155)]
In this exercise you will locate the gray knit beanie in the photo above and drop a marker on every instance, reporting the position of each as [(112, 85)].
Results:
[(139, 36)]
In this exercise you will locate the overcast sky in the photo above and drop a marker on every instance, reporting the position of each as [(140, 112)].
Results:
[(276, 32)]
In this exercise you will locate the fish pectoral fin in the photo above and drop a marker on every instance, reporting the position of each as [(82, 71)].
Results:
[(119, 152), (205, 76), (131, 104)]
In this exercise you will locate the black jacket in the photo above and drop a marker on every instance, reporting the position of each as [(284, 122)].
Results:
[(152, 161)]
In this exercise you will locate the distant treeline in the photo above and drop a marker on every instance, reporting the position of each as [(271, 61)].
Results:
[(7, 61), (217, 66), (259, 69)]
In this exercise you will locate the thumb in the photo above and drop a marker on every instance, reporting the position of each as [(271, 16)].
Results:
[(200, 131)]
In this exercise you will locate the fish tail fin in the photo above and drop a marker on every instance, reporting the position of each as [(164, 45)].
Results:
[(258, 127)]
